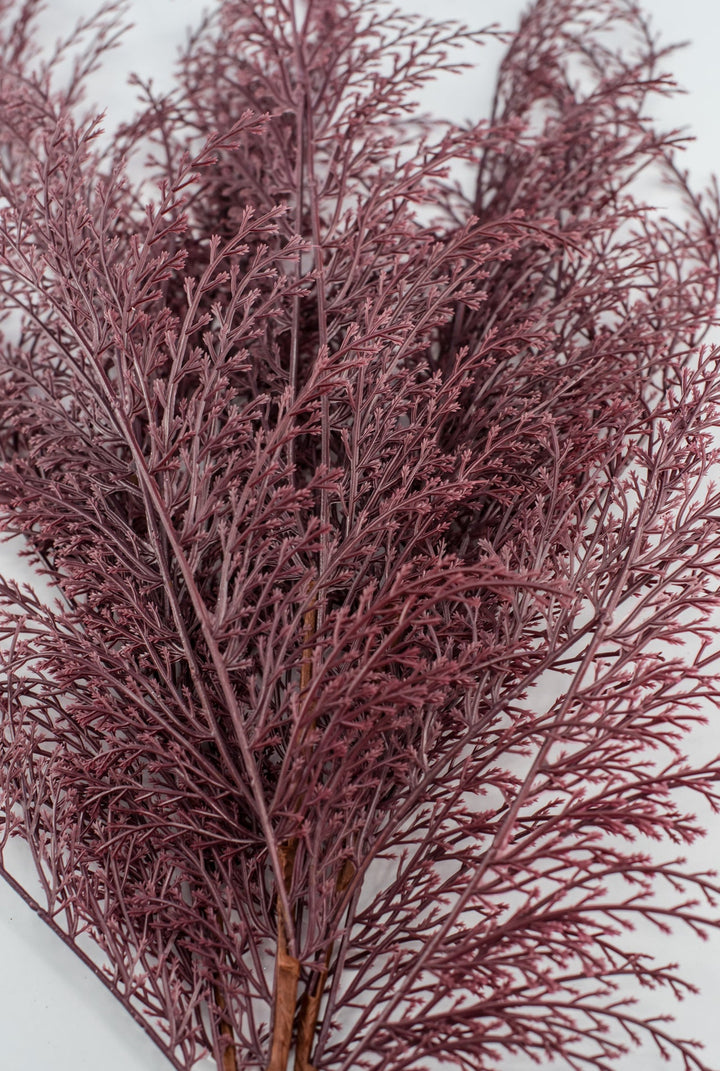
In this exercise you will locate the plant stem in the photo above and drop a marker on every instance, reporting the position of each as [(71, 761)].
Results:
[(287, 974), (287, 967), (229, 1062), (310, 1005)]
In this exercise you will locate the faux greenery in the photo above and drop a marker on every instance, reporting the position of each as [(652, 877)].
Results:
[(368, 457)]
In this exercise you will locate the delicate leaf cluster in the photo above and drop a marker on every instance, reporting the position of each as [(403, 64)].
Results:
[(378, 518)]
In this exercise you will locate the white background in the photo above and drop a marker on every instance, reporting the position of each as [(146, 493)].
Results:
[(53, 1013)]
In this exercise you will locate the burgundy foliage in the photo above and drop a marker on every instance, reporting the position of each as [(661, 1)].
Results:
[(376, 508)]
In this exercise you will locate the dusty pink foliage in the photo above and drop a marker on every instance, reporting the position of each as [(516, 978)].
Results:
[(378, 517)]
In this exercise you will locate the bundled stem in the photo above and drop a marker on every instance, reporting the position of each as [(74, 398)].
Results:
[(287, 968), (379, 514)]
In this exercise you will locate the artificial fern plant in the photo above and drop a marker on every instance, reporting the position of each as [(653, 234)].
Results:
[(374, 499)]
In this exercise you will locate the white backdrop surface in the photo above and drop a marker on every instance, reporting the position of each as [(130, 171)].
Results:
[(53, 1013)]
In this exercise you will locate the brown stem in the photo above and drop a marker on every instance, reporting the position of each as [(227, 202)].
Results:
[(229, 1062), (309, 1012), (287, 974), (226, 1031), (287, 967), (310, 1006)]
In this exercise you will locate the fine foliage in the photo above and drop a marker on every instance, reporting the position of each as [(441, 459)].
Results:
[(367, 455)]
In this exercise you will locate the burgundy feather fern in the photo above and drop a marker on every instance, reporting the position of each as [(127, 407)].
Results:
[(378, 518)]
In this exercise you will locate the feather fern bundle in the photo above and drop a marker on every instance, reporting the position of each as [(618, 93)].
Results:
[(374, 505)]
